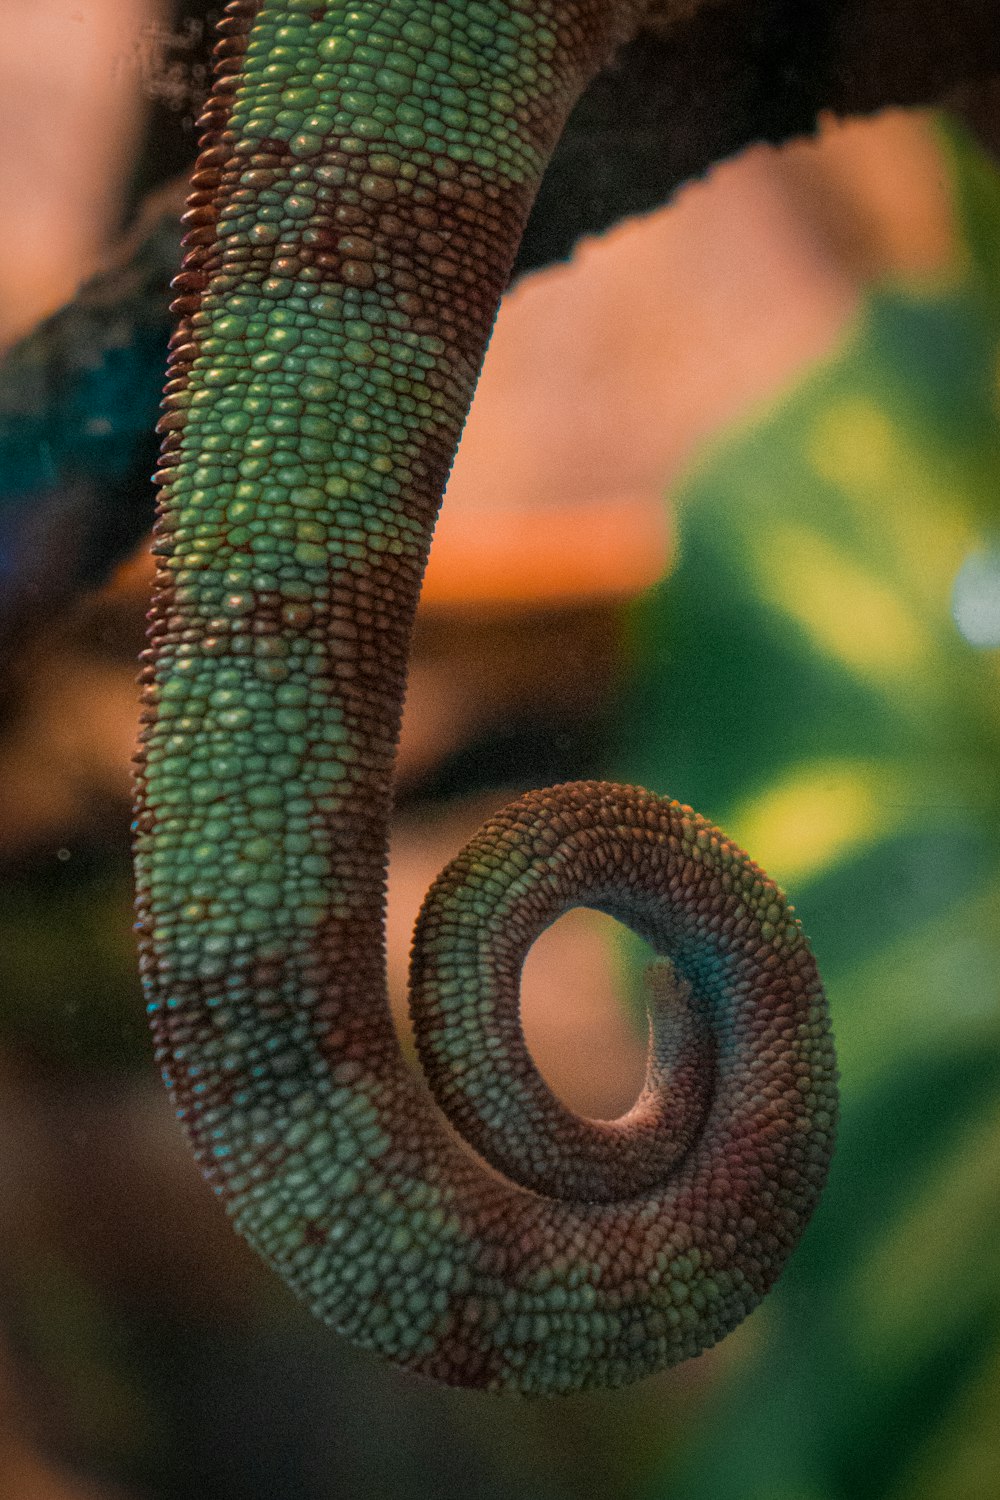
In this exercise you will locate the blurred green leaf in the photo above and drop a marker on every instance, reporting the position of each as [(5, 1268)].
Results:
[(801, 679), (69, 987)]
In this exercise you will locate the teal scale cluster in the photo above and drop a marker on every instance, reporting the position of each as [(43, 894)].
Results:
[(366, 174)]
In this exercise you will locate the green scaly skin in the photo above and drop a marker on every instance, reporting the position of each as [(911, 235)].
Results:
[(367, 171)]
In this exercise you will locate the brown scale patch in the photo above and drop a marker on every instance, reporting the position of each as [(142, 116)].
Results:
[(460, 1359), (443, 250)]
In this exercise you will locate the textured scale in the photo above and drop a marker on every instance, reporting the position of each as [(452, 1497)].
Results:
[(366, 173)]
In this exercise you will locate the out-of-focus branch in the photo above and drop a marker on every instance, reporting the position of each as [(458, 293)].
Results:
[(78, 396), (678, 99), (78, 402)]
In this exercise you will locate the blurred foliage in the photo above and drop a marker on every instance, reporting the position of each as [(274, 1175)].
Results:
[(69, 985), (801, 679)]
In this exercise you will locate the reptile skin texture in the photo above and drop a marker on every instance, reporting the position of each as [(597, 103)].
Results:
[(366, 173)]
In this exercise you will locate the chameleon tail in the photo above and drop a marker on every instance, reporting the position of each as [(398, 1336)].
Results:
[(366, 174)]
